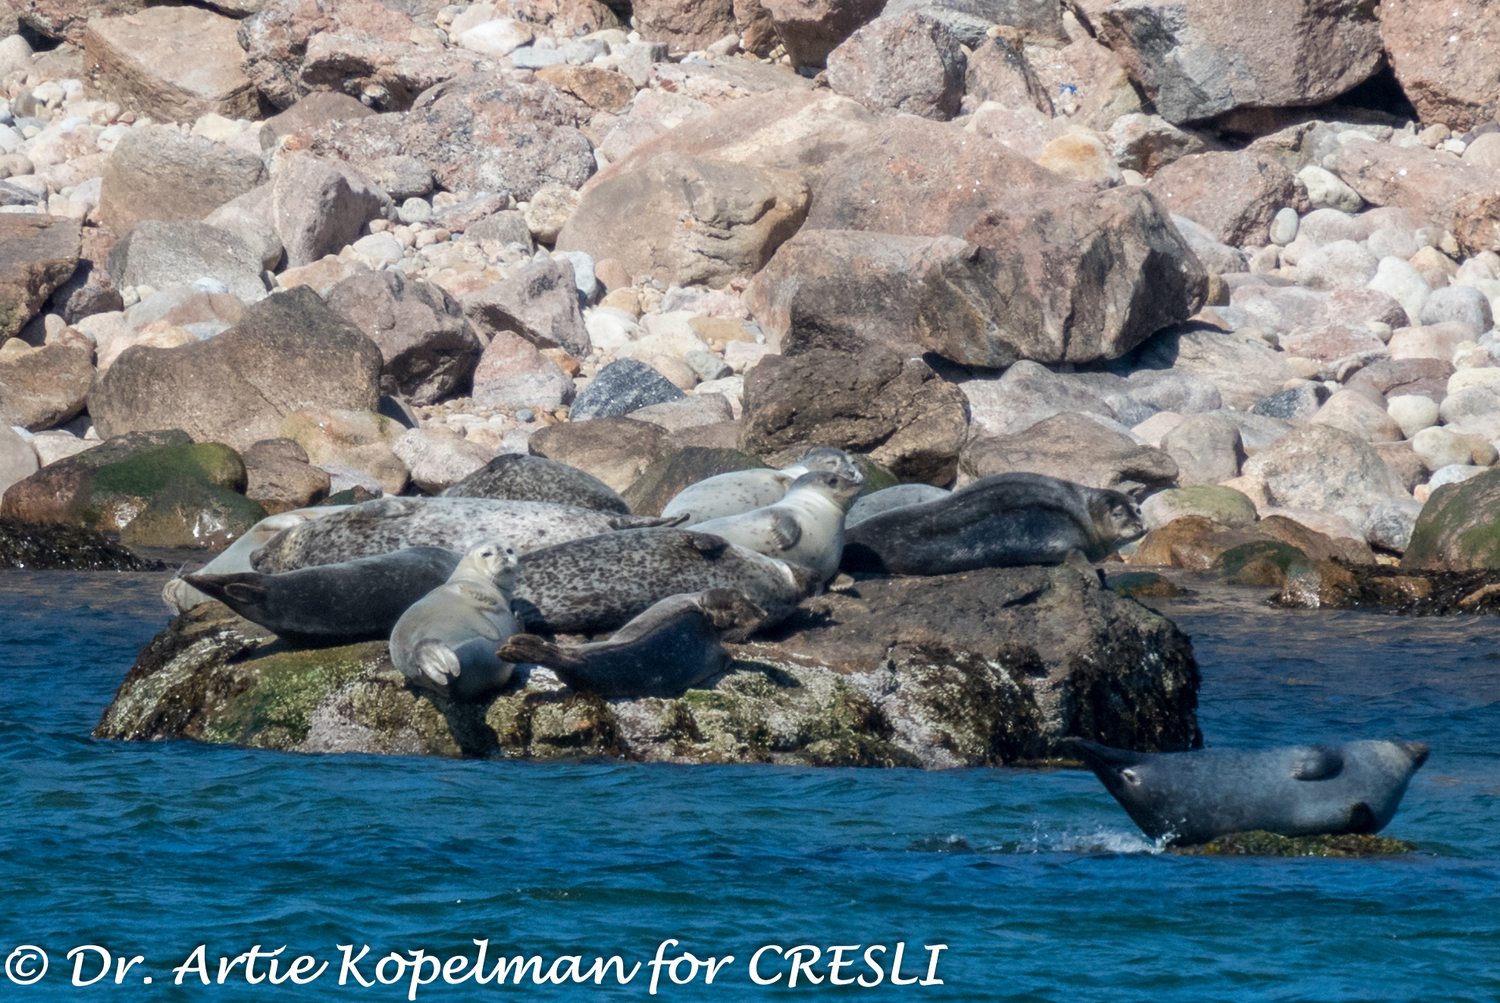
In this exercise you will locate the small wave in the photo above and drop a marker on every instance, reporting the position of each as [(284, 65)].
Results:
[(1099, 840)]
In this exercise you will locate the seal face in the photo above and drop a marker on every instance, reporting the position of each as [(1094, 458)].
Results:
[(1298, 790), (1002, 521), (887, 499), (181, 596), (745, 490), (599, 584), (389, 524), (805, 527), (518, 477), (333, 603), (671, 647), (446, 641)]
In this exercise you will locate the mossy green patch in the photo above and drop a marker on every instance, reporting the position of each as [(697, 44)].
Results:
[(1260, 562), (193, 514), (275, 712), (1268, 844), (144, 474), (877, 477)]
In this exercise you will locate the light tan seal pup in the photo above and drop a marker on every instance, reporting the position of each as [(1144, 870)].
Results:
[(744, 490), (671, 647), (446, 640), (389, 524), (805, 527)]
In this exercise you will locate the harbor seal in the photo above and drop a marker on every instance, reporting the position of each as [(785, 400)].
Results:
[(341, 603), (886, 499), (388, 524), (805, 527), (599, 584), (744, 490), (1299, 790), (518, 477), (663, 652), (1002, 521), (181, 597), (446, 641)]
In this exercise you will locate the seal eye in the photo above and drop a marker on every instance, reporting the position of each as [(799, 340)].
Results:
[(1131, 777)]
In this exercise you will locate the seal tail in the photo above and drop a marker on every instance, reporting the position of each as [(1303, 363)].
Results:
[(528, 649)]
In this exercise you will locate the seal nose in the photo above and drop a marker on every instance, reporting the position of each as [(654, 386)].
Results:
[(1418, 751)]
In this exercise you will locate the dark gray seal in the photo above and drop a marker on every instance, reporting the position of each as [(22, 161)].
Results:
[(1003, 521), (671, 647), (887, 499), (1298, 790), (389, 524), (446, 641), (357, 600), (599, 584), (518, 477)]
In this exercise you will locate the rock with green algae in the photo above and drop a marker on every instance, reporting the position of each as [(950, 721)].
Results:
[(34, 546), (1261, 562), (1194, 543), (1143, 585), (1268, 844), (1459, 528), (982, 668)]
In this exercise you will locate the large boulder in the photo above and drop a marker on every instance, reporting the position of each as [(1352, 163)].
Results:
[(1243, 371), (616, 450), (37, 254), (158, 173), (30, 546), (1199, 543), (878, 403), (990, 667), (1072, 447), (1446, 57), (44, 387), (686, 220), (539, 302), (811, 29), (1231, 195), (158, 254), (351, 445), (1197, 59), (685, 26), (279, 477), (1095, 272), (908, 63), (514, 373), (290, 351), (174, 64), (427, 347), (1325, 469), (1435, 187), (1459, 529), (318, 207)]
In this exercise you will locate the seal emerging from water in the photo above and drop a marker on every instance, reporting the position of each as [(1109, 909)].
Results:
[(446, 641), (518, 477), (389, 524), (1299, 790), (661, 653), (743, 490), (599, 584), (341, 603), (1003, 521), (805, 527)]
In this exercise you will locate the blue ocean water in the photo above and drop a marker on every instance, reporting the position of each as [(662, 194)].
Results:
[(1036, 881)]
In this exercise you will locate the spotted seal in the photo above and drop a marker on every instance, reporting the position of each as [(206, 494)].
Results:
[(388, 524), (599, 584), (806, 526), (743, 490), (886, 499), (661, 653), (997, 522), (181, 596), (1298, 790), (446, 641), (333, 603), (518, 477)]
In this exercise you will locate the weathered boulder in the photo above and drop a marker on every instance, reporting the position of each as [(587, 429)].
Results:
[(677, 469), (67, 19), (1447, 59), (357, 444), (439, 458), (279, 477), (513, 372), (290, 351), (1202, 58), (811, 29), (18, 458), (1244, 372), (158, 253), (685, 26), (878, 403), (37, 254), (538, 302), (1325, 469), (318, 207), (1073, 447), (1026, 393), (911, 64), (686, 220), (1231, 195), (171, 63), (1206, 448), (985, 668), (427, 347), (44, 387), (1435, 187), (158, 173), (1215, 502), (1458, 529), (1197, 543), (623, 386), (616, 450)]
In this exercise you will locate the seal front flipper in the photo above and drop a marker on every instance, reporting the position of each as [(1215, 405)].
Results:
[(528, 649), (1318, 762)]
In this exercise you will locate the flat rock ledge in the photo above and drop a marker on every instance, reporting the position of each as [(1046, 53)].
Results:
[(989, 667)]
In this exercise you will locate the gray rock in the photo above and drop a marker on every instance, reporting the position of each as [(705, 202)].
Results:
[(507, 227), (158, 254), (18, 460), (158, 173), (1174, 390), (1295, 404), (886, 499), (1343, 264), (1073, 447), (532, 58), (1324, 226), (415, 210), (1284, 226), (971, 20), (1390, 523), (621, 387), (907, 63), (1243, 372), (1325, 469), (1216, 257), (1257, 431), (1464, 304), (539, 302), (320, 206), (1454, 473), (1025, 394), (249, 217), (584, 279), (1206, 448)]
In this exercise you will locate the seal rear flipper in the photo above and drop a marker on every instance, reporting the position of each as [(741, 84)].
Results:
[(528, 649), (732, 612), (707, 544), (1318, 762), (436, 662)]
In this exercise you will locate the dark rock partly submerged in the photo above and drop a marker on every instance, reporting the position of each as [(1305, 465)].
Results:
[(48, 547), (1268, 844), (982, 668)]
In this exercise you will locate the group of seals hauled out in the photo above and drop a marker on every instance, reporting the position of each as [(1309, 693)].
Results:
[(1299, 790), (530, 544)]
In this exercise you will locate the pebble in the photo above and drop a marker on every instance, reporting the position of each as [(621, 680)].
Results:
[(1413, 412), (415, 210), (1284, 226), (1437, 447), (1452, 474)]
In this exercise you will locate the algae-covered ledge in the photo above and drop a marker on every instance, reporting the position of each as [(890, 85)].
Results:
[(982, 668)]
